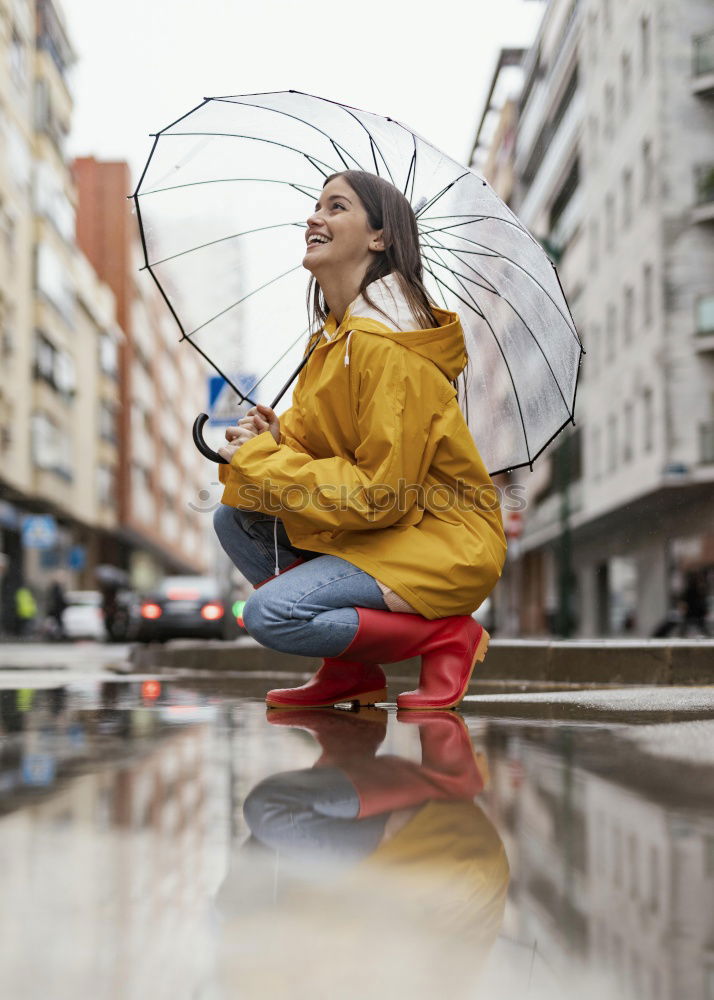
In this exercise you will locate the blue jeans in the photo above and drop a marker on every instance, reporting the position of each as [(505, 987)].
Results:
[(311, 609), (312, 814)]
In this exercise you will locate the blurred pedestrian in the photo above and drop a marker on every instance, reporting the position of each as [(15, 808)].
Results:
[(25, 610), (56, 604), (695, 601)]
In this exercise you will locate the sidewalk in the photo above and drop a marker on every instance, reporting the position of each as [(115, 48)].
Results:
[(586, 661)]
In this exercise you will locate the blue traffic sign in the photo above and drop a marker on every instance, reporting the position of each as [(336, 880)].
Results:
[(39, 531), (224, 407)]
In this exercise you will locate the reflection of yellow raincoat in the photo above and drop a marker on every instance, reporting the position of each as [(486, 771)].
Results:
[(450, 861), (374, 453)]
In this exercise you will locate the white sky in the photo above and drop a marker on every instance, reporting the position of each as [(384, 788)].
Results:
[(143, 63)]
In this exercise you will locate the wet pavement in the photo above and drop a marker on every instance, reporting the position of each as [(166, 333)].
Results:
[(169, 838)]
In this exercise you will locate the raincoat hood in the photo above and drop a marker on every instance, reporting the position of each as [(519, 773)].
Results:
[(443, 345)]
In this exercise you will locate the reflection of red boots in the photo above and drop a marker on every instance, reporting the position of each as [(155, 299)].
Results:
[(450, 649), (336, 681), (341, 735), (449, 769)]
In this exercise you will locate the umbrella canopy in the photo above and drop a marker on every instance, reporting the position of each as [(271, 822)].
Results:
[(222, 205)]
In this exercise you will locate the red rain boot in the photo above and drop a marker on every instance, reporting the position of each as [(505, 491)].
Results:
[(449, 769), (450, 649), (336, 681), (342, 735)]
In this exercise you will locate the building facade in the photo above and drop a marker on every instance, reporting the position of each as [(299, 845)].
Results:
[(613, 173), (94, 390)]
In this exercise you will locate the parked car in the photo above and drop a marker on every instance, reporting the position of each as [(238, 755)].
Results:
[(83, 617), (182, 607)]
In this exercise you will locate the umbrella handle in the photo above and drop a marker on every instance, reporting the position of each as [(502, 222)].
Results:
[(207, 452)]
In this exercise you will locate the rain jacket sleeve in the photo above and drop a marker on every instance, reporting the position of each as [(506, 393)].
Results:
[(292, 432), (395, 398)]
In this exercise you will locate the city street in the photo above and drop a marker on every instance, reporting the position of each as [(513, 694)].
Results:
[(169, 838)]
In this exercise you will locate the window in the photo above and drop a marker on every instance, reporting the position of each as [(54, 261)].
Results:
[(645, 45), (7, 329), (705, 314), (611, 443), (51, 446), (609, 110), (647, 171), (108, 355), (44, 359), (18, 61), (107, 421), (627, 198), (106, 486), (647, 416), (562, 199), (628, 319), (611, 332), (55, 367), (647, 294), (626, 81), (593, 29), (597, 453), (628, 432), (610, 222), (607, 15)]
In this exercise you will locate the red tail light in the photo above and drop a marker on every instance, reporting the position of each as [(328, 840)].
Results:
[(150, 610), (211, 612)]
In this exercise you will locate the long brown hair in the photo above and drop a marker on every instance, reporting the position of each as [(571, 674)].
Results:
[(387, 209)]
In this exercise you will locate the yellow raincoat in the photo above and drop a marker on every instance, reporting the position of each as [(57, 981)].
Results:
[(376, 463)]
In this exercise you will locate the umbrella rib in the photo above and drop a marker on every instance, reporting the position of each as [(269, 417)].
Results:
[(487, 288), (187, 336), (372, 148), (314, 160), (276, 363), (411, 194), (515, 263), (473, 304), (511, 306), (438, 284), (440, 194), (295, 118), (372, 141), (232, 180), (502, 353), (339, 153), (222, 239), (234, 387), (479, 217), (412, 163)]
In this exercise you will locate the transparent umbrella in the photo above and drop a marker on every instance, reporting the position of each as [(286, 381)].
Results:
[(222, 204)]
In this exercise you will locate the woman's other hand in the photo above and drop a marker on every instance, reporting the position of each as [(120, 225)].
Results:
[(261, 418)]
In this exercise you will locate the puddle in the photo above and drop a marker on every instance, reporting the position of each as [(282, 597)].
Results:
[(167, 840)]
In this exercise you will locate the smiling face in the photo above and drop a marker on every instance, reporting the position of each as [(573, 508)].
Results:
[(340, 241)]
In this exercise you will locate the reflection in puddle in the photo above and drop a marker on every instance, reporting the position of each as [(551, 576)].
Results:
[(382, 868), (163, 840)]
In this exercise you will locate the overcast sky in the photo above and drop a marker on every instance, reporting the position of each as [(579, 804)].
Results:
[(143, 63)]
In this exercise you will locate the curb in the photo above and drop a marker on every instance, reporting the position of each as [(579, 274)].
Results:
[(597, 661)]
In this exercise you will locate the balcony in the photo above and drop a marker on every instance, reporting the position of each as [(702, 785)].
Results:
[(703, 210), (706, 443), (703, 65)]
